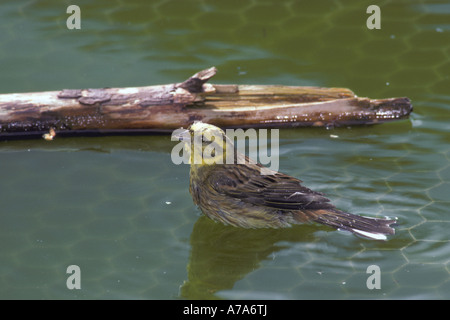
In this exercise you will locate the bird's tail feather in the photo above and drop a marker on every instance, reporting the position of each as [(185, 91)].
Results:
[(372, 228)]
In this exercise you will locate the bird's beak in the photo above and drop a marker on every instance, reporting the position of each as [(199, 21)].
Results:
[(181, 135)]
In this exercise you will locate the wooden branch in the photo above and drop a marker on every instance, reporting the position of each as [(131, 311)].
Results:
[(164, 108)]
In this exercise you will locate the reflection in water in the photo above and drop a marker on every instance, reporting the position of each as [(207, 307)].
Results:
[(103, 143), (222, 255)]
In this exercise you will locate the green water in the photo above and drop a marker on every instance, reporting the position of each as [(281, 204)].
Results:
[(120, 209)]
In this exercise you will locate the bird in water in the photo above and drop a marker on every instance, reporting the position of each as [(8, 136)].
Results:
[(243, 193)]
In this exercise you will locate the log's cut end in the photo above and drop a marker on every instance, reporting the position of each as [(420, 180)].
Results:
[(375, 111), (382, 110), (392, 108)]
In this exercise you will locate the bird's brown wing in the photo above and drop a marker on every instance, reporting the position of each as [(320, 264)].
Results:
[(285, 193), (279, 191)]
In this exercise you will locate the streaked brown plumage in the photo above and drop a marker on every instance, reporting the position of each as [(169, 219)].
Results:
[(239, 195)]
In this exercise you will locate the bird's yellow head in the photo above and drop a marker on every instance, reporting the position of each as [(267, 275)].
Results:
[(206, 144)]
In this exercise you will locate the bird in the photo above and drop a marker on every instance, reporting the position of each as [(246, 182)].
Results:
[(238, 191)]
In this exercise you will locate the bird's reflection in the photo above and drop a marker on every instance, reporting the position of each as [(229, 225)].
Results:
[(221, 255)]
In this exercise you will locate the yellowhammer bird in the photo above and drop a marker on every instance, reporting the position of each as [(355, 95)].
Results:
[(246, 194)]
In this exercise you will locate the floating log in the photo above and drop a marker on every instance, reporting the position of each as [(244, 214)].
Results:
[(163, 108)]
